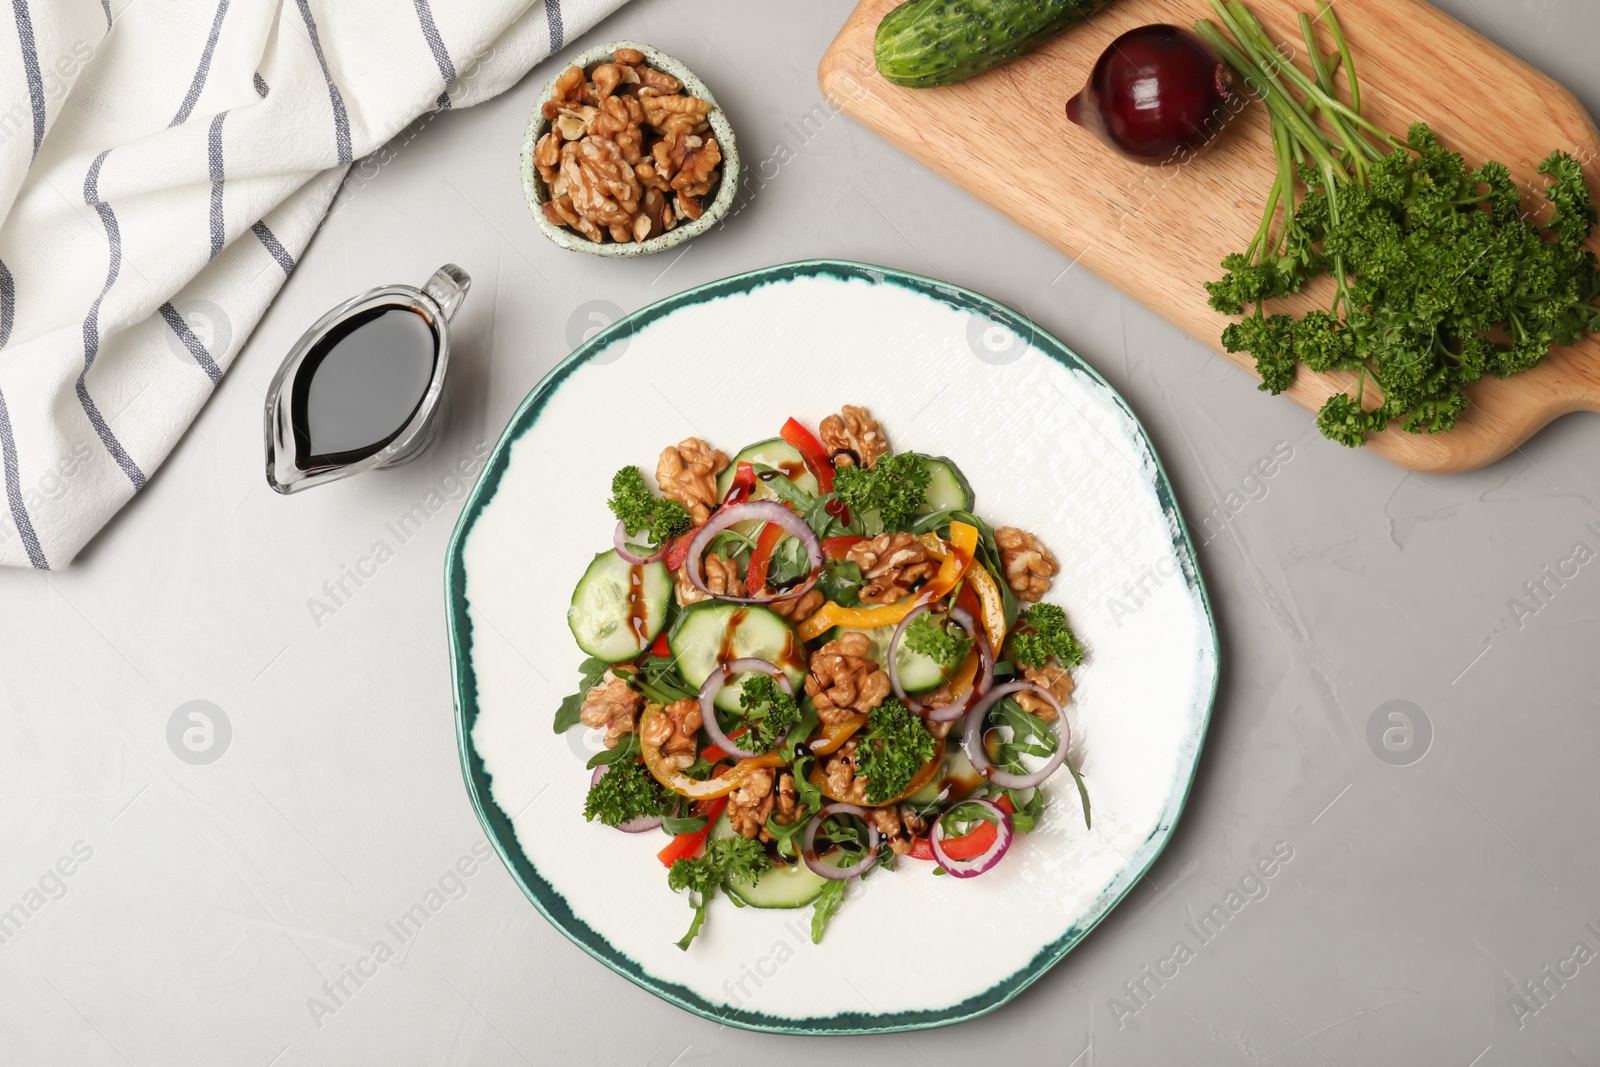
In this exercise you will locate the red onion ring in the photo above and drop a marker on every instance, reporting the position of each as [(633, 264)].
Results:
[(808, 844), (980, 684), (619, 541), (708, 698), (972, 738), (768, 511), (633, 826), (978, 864)]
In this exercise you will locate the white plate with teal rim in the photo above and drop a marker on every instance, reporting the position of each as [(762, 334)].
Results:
[(1047, 445)]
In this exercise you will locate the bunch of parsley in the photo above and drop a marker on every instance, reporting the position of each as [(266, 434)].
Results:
[(894, 747), (736, 858), (1439, 277)]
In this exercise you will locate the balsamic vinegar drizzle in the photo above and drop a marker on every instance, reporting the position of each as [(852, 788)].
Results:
[(360, 385)]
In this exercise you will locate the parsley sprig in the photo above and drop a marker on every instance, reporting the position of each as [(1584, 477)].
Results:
[(894, 747), (1042, 632), (932, 636), (767, 713), (626, 791), (738, 858), (1439, 277), (641, 510), (894, 489)]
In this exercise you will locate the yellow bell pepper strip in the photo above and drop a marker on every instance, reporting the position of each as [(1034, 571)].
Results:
[(829, 738), (958, 559), (667, 773), (920, 779), (981, 582)]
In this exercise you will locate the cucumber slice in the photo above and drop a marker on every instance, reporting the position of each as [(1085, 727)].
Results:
[(712, 633), (948, 489), (789, 886), (618, 608), (776, 453), (918, 673)]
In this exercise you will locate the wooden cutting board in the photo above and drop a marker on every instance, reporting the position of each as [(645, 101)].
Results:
[(1160, 233)]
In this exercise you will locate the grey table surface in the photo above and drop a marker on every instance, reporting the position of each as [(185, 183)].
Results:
[(1442, 903)]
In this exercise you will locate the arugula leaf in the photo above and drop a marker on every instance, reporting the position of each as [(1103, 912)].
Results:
[(841, 582), (567, 713), (662, 682), (826, 907), (787, 564)]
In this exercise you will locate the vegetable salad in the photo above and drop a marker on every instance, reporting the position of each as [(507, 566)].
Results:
[(815, 660)]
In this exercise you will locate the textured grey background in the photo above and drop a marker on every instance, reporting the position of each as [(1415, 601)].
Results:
[(217, 899)]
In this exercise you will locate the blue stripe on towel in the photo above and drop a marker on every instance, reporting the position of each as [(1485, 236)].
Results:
[(91, 324), (30, 65), (201, 71), (341, 120)]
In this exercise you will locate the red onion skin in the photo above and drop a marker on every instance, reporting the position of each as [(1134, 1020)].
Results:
[(619, 541), (1004, 834), (808, 840), (714, 682), (1158, 94), (769, 511)]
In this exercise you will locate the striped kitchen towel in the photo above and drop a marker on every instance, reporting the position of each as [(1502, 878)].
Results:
[(162, 166)]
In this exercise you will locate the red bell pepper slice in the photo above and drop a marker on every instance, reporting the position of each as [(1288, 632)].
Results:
[(744, 480), (761, 557), (686, 845), (806, 443), (661, 648), (678, 550), (970, 845), (836, 547)]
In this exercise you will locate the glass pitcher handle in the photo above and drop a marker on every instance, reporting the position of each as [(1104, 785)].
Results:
[(447, 288)]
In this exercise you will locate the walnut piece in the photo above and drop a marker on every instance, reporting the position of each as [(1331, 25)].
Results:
[(673, 731), (1029, 566), (784, 813), (611, 706), (843, 682), (688, 473), (621, 131), (839, 772), (899, 825), (1052, 677), (797, 608), (751, 803), (854, 436), (722, 578), (892, 564)]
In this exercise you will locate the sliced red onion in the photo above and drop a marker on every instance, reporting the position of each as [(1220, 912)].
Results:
[(767, 511), (985, 678), (708, 697), (977, 864), (620, 541), (633, 826), (808, 844), (972, 737)]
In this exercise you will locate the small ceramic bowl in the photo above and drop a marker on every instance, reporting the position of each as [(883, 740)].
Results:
[(534, 189)]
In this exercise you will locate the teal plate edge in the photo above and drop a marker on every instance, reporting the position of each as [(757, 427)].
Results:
[(554, 906)]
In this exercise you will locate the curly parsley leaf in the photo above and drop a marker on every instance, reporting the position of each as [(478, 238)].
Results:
[(894, 490), (567, 714), (1042, 632), (895, 746), (640, 510), (727, 857), (626, 791), (767, 713), (932, 636)]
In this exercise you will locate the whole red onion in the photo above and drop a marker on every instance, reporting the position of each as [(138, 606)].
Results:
[(1158, 94)]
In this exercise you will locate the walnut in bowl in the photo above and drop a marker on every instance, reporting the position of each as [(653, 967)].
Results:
[(627, 153)]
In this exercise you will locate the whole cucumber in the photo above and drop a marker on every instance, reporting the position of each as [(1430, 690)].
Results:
[(923, 43)]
